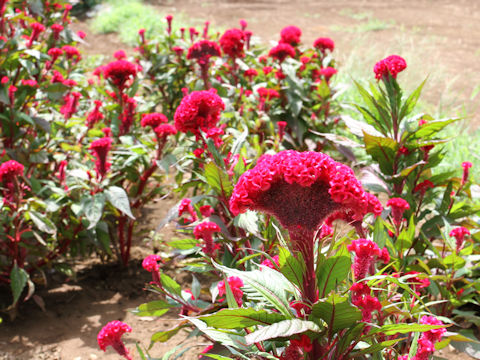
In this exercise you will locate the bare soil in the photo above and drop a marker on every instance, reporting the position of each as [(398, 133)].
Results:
[(444, 40)]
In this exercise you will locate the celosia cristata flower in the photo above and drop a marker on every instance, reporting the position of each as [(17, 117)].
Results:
[(268, 262), (232, 43), (392, 65), (281, 52), (120, 55), (70, 104), (56, 29), (243, 24), (72, 53), (366, 252), (164, 130), (328, 72), (399, 206), (281, 125), (202, 51), (267, 94), (81, 34), (250, 74), (235, 283), (205, 231), (178, 50), (169, 19), (150, 263), (423, 186), (37, 29), (186, 207), (206, 210), (100, 148), (61, 171), (9, 170), (128, 114), (119, 72), (292, 352), (153, 120), (111, 335), (55, 53), (459, 234), (466, 165), (197, 111), (95, 115), (426, 343), (29, 82), (11, 94), (290, 35), (324, 44)]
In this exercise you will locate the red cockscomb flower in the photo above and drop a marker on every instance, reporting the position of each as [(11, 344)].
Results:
[(150, 263), (70, 104), (268, 262), (72, 53), (205, 231), (235, 283), (164, 130), (466, 165), (100, 148), (153, 120), (120, 55), (9, 170), (232, 43), (202, 51), (206, 210), (398, 206), (111, 335), (281, 52), (186, 207), (119, 72), (56, 29), (459, 234), (37, 28), (390, 65), (197, 111), (328, 72), (268, 94), (324, 44), (366, 252), (290, 35), (95, 115)]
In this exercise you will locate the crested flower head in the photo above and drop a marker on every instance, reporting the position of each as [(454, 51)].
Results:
[(423, 186), (153, 120), (399, 206), (119, 72), (366, 251), (282, 51), (232, 43), (328, 72), (111, 335), (290, 35), (466, 165), (9, 170), (205, 231), (459, 234), (100, 148), (150, 263), (197, 111), (235, 283), (300, 188), (392, 65), (267, 94), (202, 51), (187, 207), (163, 130), (324, 44), (268, 262)]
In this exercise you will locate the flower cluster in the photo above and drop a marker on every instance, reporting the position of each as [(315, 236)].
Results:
[(9, 170), (324, 44), (290, 35), (119, 72), (459, 234), (399, 206), (426, 343), (204, 231), (366, 252), (232, 43), (300, 188), (111, 335), (200, 110), (282, 51), (392, 65), (186, 207), (202, 51), (150, 263), (153, 120), (100, 148), (235, 283), (362, 299)]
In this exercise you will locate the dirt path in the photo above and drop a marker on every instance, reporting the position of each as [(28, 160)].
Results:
[(438, 37)]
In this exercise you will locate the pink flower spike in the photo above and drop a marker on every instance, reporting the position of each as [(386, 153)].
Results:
[(186, 207), (268, 263), (235, 283), (150, 263), (466, 165), (392, 65), (459, 234), (111, 335), (290, 35), (398, 206), (205, 231), (324, 44), (366, 251)]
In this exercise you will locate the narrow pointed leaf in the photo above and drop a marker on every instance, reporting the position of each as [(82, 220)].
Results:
[(284, 328), (241, 318)]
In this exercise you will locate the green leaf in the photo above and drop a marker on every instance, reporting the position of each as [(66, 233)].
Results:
[(337, 312), (380, 235), (393, 329), (119, 199), (241, 318), (42, 222), (153, 308), (265, 284), (238, 144), (382, 150), (333, 271), (454, 261), (411, 102), (163, 336), (247, 221), (18, 280), (170, 285), (431, 128), (353, 334), (182, 244), (92, 207), (196, 287), (405, 239), (375, 348), (283, 328), (291, 267), (221, 336), (216, 357), (218, 179)]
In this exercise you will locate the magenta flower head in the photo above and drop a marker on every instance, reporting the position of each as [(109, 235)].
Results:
[(366, 252), (434, 335), (268, 262), (328, 72), (100, 148), (423, 187), (398, 206), (205, 231), (119, 72), (466, 165), (290, 35), (323, 44), (459, 234), (390, 65), (164, 130), (150, 263), (202, 51), (200, 110), (153, 120), (281, 52), (232, 43), (243, 24), (10, 170), (111, 335), (37, 28), (120, 55), (235, 283), (186, 207)]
